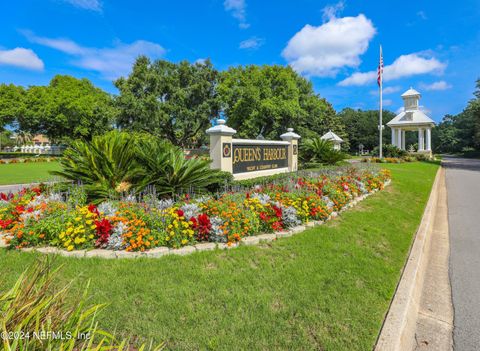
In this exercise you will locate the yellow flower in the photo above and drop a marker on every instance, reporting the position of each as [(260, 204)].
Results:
[(89, 221), (78, 219), (184, 241), (70, 248), (62, 235), (93, 226)]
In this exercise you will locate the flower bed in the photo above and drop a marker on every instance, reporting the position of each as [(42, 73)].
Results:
[(37, 217), (29, 160)]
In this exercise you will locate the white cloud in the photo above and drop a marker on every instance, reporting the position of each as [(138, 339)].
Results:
[(238, 10), (111, 62), (252, 43), (322, 51), (403, 66), (21, 57), (387, 90), (440, 85), (330, 11), (93, 5), (422, 15), (390, 90), (65, 45)]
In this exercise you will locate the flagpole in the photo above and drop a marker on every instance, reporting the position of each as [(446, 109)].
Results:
[(381, 125)]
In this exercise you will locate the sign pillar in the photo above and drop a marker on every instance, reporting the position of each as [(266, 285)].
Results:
[(221, 146), (292, 138)]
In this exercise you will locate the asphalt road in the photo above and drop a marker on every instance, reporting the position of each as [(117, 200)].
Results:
[(463, 191)]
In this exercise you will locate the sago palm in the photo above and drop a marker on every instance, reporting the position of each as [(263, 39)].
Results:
[(103, 164), (317, 150), (167, 169)]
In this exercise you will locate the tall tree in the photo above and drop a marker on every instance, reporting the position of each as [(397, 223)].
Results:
[(12, 103), (362, 127), (172, 101), (67, 108), (458, 132), (268, 99)]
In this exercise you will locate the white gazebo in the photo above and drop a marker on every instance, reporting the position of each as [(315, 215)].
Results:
[(334, 138), (412, 119)]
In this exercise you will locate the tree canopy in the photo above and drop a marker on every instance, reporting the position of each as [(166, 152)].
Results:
[(268, 99), (178, 101), (12, 105), (175, 101), (460, 132), (66, 108), (362, 127)]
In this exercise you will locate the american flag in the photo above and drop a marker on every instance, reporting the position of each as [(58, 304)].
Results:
[(380, 69)]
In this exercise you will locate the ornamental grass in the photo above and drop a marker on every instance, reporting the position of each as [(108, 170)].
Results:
[(37, 315)]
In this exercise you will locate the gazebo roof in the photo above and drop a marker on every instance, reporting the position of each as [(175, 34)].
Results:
[(411, 92), (332, 137), (413, 117)]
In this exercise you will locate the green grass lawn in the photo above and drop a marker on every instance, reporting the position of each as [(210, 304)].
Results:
[(328, 288), (20, 173)]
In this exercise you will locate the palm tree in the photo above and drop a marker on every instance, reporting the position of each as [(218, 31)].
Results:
[(317, 150), (23, 137)]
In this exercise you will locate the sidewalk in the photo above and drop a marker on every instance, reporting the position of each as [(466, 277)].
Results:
[(435, 316), (421, 314)]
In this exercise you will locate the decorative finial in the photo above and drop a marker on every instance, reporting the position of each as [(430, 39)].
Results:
[(289, 129), (220, 121)]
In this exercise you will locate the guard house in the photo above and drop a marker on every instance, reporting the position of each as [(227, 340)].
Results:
[(412, 119), (334, 139)]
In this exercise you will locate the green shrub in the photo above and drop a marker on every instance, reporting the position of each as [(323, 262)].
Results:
[(317, 150), (389, 150), (422, 157), (166, 168), (102, 165)]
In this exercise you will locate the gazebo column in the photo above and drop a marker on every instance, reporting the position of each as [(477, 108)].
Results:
[(399, 138), (420, 139), (393, 136), (403, 140), (429, 139)]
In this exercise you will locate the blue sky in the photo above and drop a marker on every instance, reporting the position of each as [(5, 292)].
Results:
[(433, 46)]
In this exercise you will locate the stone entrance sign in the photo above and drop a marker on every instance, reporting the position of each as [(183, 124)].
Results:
[(249, 158)]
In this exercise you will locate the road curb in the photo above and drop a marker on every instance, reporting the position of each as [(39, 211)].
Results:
[(398, 330)]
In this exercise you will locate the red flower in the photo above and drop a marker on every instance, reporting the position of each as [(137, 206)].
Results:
[(180, 213), (202, 225), (19, 209), (277, 226), (278, 211), (37, 190), (92, 208), (6, 197), (5, 223), (263, 216), (247, 195), (104, 228)]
